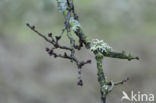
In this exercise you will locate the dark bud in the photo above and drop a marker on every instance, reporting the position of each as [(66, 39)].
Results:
[(76, 17), (82, 41), (58, 37), (89, 61), (137, 58), (79, 72), (50, 35), (33, 27), (81, 44), (51, 52), (47, 49), (65, 54), (76, 46), (55, 55), (27, 24), (80, 83)]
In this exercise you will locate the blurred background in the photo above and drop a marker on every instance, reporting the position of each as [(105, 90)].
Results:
[(29, 75)]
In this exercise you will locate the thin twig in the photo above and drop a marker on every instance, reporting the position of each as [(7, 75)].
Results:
[(33, 28), (121, 82), (121, 55), (66, 56), (54, 43)]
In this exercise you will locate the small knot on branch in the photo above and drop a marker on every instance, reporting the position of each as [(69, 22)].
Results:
[(80, 83), (50, 34)]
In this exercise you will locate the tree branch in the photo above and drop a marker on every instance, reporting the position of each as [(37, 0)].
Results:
[(121, 82), (121, 55), (72, 24)]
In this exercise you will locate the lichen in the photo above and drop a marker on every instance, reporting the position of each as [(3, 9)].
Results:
[(100, 45), (74, 24), (105, 89), (62, 5)]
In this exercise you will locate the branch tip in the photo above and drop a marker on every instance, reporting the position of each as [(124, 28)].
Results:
[(122, 81)]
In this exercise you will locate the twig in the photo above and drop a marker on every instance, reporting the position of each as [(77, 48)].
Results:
[(56, 45), (53, 42), (121, 55), (121, 82), (33, 28)]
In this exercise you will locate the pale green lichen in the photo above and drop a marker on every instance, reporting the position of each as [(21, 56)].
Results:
[(100, 45), (62, 5), (74, 24), (105, 89)]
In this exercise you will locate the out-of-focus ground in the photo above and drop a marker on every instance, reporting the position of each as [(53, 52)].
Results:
[(29, 75)]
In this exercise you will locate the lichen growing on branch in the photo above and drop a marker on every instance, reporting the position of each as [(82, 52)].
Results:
[(100, 45), (74, 24), (99, 48), (61, 4)]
